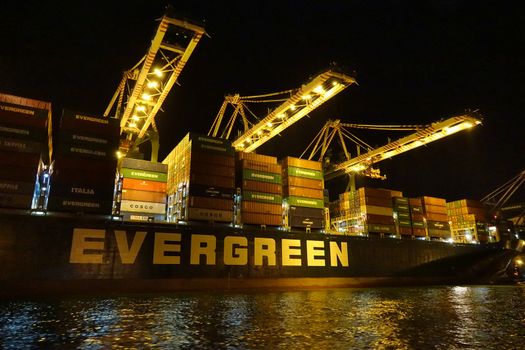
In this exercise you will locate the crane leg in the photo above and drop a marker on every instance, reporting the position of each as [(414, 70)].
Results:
[(350, 186), (155, 145)]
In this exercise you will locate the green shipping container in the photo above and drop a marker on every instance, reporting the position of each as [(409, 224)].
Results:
[(382, 228), (401, 207), (419, 224), (403, 215), (249, 174), (404, 223), (143, 175), (305, 202), (305, 173), (262, 197)]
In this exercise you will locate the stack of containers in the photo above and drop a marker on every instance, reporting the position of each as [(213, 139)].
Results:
[(377, 210), (346, 214), (85, 163), (417, 218), (143, 190), (303, 187), (402, 216), (468, 221), (201, 179), (25, 126), (435, 213), (260, 181)]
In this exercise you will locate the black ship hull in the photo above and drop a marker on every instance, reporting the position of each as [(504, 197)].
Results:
[(81, 254)]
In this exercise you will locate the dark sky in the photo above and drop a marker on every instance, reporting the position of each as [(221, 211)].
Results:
[(415, 61)]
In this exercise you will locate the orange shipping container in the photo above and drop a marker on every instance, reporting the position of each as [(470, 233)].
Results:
[(301, 163), (374, 192), (263, 208), (260, 166), (377, 201), (436, 216), (302, 182), (436, 209), (419, 232), (415, 202), (210, 214), (303, 192), (426, 200), (264, 187), (146, 196), (256, 157), (261, 219), (143, 185)]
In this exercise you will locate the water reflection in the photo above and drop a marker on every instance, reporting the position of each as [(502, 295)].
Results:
[(391, 318)]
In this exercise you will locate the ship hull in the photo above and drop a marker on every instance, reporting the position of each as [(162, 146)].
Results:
[(82, 254)]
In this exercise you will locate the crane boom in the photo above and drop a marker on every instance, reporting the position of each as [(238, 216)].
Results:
[(154, 76), (431, 133), (300, 103)]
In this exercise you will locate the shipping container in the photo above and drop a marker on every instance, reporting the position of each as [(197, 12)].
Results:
[(297, 221), (254, 157), (19, 145), (262, 197), (261, 219), (374, 192), (216, 159), (301, 163), (143, 175), (210, 203), (310, 212), (258, 186), (142, 207), (418, 224), (84, 167), (305, 202), (259, 207), (390, 229), (248, 174), (19, 159), (437, 233), (73, 204), (17, 187), (212, 145), (16, 200), (404, 223), (415, 202), (143, 185), (302, 182), (303, 192), (213, 169), (419, 232), (436, 217), (372, 209), (402, 207), (14, 114), (22, 132), (147, 196), (400, 200), (417, 216), (379, 219), (377, 201), (260, 166), (211, 180), (89, 140), (405, 230), (73, 150), (435, 209), (416, 209), (210, 191), (81, 189), (434, 201), (438, 225), (76, 121), (210, 215), (20, 173), (146, 165), (304, 173), (403, 215), (142, 217)]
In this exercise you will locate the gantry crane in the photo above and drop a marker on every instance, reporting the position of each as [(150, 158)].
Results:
[(144, 87), (497, 200), (294, 105), (363, 162)]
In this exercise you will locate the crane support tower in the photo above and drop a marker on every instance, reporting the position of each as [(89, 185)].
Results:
[(296, 105), (144, 87)]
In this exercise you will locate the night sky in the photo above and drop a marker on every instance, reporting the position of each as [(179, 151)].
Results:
[(415, 61)]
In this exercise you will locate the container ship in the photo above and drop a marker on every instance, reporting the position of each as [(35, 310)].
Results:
[(77, 219), (82, 212)]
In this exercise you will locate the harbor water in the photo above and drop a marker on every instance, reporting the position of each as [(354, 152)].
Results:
[(455, 317)]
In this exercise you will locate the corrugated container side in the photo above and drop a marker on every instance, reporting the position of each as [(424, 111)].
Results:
[(143, 185), (260, 166), (415, 202), (258, 207), (81, 189), (306, 221), (212, 169), (147, 196), (418, 224), (140, 164), (403, 215), (417, 217), (303, 192), (374, 192), (143, 175), (76, 121), (19, 145), (377, 201), (301, 163), (14, 114), (75, 150), (306, 212), (427, 200), (17, 187), (216, 159), (211, 180), (390, 229), (416, 209), (400, 200), (261, 219), (305, 202), (20, 173), (405, 230), (203, 214), (302, 182), (436, 217), (262, 197), (210, 191), (210, 203), (304, 173), (86, 139), (72, 204), (265, 187), (22, 132), (419, 232), (254, 157), (16, 200), (372, 209), (435, 209), (248, 174), (437, 233), (438, 225), (379, 219), (19, 159)]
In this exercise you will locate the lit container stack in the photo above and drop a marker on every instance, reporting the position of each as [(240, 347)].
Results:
[(85, 163), (143, 190), (402, 216), (417, 217), (346, 214), (468, 221), (24, 128), (201, 180), (259, 178), (377, 210), (303, 187), (435, 213)]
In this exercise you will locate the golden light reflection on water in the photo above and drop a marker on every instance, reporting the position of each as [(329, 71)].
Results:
[(389, 318)]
